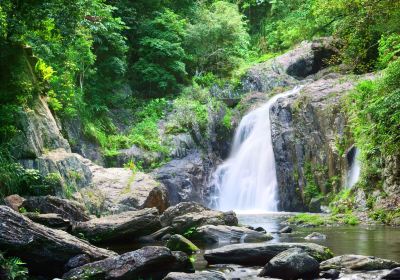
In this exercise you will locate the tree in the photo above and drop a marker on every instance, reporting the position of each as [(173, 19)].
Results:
[(217, 40), (160, 68)]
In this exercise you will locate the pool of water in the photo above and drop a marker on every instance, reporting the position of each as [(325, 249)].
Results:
[(379, 241)]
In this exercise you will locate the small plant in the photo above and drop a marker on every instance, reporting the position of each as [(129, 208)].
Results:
[(13, 268), (190, 232)]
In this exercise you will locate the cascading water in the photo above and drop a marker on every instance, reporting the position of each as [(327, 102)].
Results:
[(354, 171), (246, 181)]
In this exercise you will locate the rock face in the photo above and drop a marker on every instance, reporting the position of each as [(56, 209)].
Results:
[(291, 264), (229, 234), (203, 275), (45, 250), (184, 178), (125, 226), (285, 70), (309, 136), (67, 209), (260, 253), (358, 262), (186, 215), (139, 264)]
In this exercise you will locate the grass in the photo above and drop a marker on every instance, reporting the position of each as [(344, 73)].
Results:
[(324, 220)]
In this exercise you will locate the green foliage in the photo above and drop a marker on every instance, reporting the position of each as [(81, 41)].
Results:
[(190, 233), (217, 40), (375, 113), (160, 67), (309, 219), (13, 268), (311, 189)]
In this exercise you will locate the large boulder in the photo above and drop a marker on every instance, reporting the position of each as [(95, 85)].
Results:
[(187, 215), (229, 234), (261, 253), (358, 262), (291, 264), (45, 250), (202, 275), (151, 262), (121, 186), (14, 201), (184, 178), (67, 209), (125, 226)]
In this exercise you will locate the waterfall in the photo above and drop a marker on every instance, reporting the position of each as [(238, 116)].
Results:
[(246, 181), (355, 168)]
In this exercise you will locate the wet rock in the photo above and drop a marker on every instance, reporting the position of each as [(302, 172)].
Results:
[(51, 220), (67, 209), (134, 265), (202, 275), (286, 229), (186, 215), (358, 262), (179, 243), (125, 226), (393, 274), (260, 229), (77, 261), (330, 274), (14, 201), (45, 250), (315, 236), (184, 178), (291, 264), (229, 234), (260, 253), (156, 236)]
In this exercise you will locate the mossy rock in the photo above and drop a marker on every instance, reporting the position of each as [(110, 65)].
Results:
[(179, 243)]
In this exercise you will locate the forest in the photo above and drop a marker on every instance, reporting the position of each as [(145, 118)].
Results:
[(129, 108)]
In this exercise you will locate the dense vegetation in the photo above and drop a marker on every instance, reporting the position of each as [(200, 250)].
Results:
[(160, 56)]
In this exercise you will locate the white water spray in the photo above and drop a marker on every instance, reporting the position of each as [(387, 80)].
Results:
[(354, 171), (246, 181)]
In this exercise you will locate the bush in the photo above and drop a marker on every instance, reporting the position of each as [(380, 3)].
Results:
[(12, 268)]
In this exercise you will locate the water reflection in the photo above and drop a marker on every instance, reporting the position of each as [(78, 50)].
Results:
[(379, 241)]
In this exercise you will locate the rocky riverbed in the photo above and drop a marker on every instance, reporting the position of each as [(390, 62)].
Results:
[(151, 245)]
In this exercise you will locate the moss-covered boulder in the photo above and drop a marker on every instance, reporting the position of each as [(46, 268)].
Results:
[(179, 243)]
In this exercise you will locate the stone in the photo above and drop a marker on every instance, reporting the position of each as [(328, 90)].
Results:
[(229, 234), (330, 274), (156, 236), (184, 178), (202, 275), (120, 227), (358, 262), (315, 236), (260, 253), (51, 220), (315, 204), (139, 264), (77, 261), (260, 229), (67, 209), (286, 229), (291, 264), (187, 215), (45, 250), (179, 243), (393, 274), (14, 201)]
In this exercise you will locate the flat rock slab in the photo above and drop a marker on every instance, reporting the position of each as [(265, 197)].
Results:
[(229, 234), (45, 250), (153, 262), (261, 253), (129, 225), (358, 262), (51, 220), (203, 275), (67, 209)]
